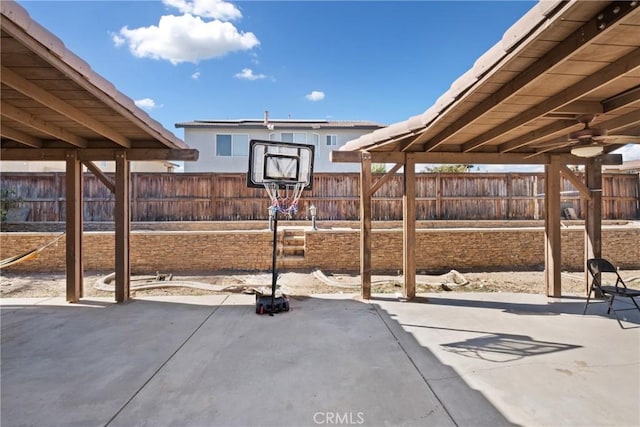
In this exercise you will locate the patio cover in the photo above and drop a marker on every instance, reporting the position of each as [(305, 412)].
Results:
[(563, 60), (55, 107)]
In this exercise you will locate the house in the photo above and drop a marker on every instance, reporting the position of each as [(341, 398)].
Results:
[(631, 166), (224, 144)]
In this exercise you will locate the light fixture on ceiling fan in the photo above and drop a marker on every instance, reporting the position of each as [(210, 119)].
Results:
[(590, 150), (586, 144)]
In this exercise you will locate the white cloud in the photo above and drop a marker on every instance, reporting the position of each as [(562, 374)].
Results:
[(216, 9), (247, 74), (196, 75), (117, 40), (146, 103), (315, 95), (186, 38)]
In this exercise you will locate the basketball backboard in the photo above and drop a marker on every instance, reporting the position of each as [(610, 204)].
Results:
[(281, 163)]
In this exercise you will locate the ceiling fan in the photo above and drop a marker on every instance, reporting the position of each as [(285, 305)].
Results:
[(590, 141)]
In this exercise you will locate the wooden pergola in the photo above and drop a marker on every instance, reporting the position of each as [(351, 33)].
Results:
[(55, 107), (560, 62)]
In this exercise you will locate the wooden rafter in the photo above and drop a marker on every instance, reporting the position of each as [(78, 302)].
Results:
[(22, 85), (21, 137), (27, 119), (536, 135), (588, 84)]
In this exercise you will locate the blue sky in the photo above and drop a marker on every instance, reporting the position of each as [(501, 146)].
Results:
[(184, 60)]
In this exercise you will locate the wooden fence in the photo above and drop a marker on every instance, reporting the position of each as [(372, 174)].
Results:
[(224, 197)]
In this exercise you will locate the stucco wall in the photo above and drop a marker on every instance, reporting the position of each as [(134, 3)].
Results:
[(329, 250)]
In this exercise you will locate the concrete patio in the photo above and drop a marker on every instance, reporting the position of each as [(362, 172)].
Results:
[(445, 359)]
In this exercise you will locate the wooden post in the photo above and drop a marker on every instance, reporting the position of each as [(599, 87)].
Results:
[(74, 226), (122, 222), (409, 227), (56, 201), (439, 196), (134, 197), (509, 195), (536, 202), (553, 253), (365, 225), (593, 215)]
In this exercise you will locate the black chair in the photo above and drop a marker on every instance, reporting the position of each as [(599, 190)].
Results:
[(603, 272)]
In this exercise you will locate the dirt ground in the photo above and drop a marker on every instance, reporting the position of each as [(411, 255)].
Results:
[(20, 285)]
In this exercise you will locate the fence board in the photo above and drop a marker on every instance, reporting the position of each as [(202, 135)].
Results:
[(216, 197)]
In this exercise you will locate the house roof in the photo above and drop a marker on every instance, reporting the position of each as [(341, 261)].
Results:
[(53, 101), (560, 61), (632, 166), (282, 123)]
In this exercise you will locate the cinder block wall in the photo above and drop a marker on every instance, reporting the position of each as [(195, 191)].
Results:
[(446, 249), (329, 250)]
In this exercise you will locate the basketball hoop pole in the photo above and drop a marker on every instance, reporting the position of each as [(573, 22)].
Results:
[(274, 272)]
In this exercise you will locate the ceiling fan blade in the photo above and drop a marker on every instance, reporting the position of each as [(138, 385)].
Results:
[(618, 139)]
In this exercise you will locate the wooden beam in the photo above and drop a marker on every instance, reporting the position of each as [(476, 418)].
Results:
[(580, 107), (338, 156), (553, 253), (469, 158), (593, 216), (142, 154), (622, 121), (101, 176), (380, 182), (20, 137), (625, 99), (568, 173), (590, 83), (73, 243), (535, 135), (100, 154), (123, 224), (365, 226), (409, 228), (34, 122), (24, 86)]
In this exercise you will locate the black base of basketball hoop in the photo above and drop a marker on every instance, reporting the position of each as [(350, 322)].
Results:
[(285, 170), (267, 305)]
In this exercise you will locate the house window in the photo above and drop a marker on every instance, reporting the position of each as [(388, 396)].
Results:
[(228, 145), (332, 139), (297, 137)]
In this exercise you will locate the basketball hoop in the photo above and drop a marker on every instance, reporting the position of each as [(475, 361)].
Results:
[(284, 198), (285, 170)]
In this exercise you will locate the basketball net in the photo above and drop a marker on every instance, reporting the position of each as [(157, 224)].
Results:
[(284, 200)]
